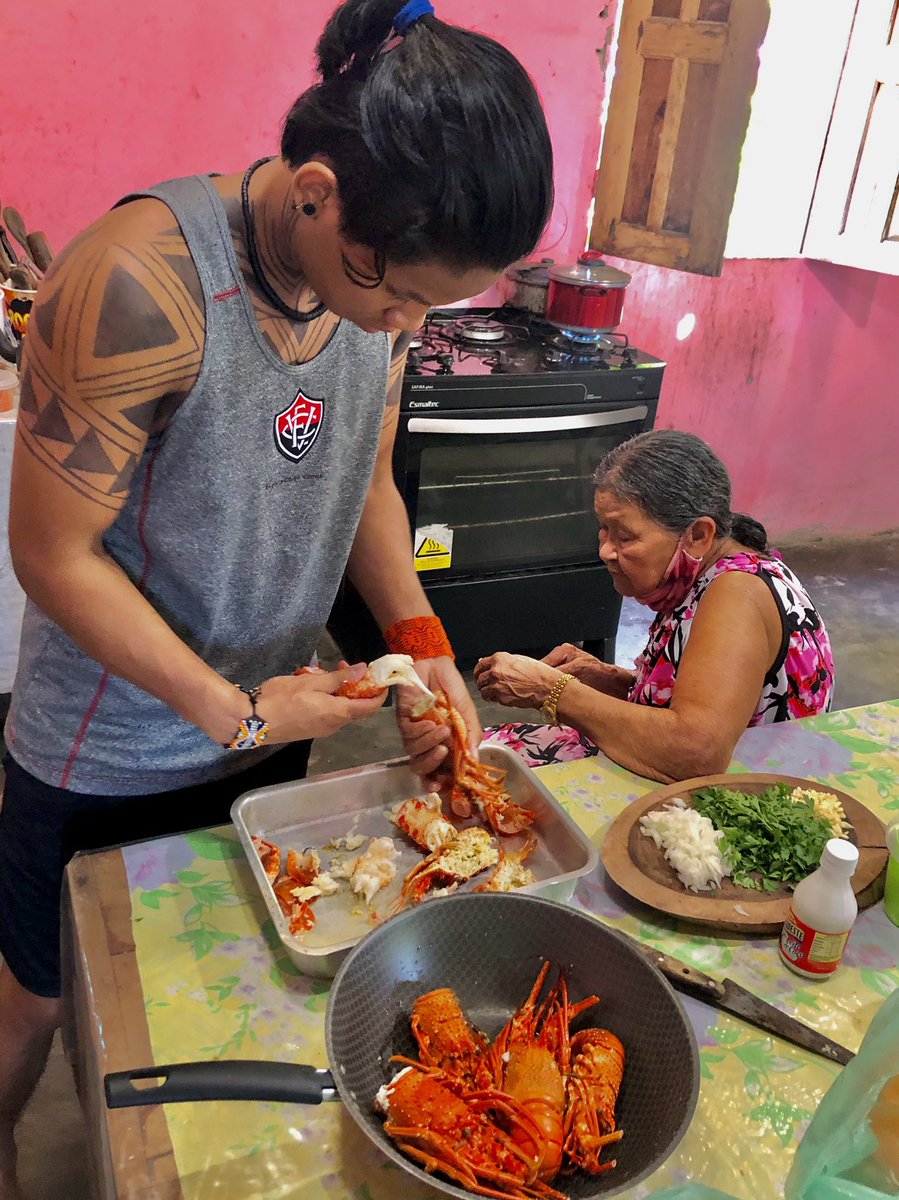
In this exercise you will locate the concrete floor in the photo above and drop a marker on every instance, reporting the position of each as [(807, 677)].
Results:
[(855, 585)]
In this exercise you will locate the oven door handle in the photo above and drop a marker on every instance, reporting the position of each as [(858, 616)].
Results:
[(468, 425)]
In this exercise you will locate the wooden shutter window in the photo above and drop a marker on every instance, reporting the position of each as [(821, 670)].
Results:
[(855, 211), (678, 112)]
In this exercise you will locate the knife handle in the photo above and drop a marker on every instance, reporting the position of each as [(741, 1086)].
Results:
[(40, 249), (7, 248)]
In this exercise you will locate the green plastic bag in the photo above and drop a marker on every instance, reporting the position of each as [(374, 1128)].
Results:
[(840, 1157)]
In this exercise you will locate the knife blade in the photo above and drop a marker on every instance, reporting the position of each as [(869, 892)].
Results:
[(733, 998)]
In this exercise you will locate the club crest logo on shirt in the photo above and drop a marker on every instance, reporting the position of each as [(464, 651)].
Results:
[(296, 427)]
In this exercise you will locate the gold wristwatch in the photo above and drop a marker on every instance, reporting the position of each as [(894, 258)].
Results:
[(253, 730), (551, 703)]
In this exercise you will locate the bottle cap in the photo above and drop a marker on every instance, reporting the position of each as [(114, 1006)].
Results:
[(840, 853)]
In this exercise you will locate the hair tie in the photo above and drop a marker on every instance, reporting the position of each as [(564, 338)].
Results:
[(411, 12)]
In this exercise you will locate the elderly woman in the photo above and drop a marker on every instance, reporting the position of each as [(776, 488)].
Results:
[(736, 640)]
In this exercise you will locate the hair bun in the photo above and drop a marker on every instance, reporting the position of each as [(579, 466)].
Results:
[(355, 35), (749, 532)]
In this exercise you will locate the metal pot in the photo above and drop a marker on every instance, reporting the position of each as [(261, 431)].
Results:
[(488, 948), (526, 283), (587, 298)]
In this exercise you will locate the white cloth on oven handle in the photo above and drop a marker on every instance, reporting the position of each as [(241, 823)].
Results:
[(472, 425)]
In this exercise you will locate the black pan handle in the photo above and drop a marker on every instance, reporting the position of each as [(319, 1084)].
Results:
[(223, 1080)]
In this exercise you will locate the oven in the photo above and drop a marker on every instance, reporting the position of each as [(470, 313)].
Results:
[(494, 458)]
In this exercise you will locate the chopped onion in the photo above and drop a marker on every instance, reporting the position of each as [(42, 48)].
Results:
[(690, 843)]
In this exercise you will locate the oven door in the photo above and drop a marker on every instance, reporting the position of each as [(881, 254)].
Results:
[(489, 494)]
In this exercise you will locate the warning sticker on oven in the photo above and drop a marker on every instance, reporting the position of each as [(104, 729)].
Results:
[(433, 548)]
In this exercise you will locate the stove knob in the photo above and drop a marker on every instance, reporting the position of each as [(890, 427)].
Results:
[(445, 360)]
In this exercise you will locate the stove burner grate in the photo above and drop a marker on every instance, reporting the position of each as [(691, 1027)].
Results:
[(602, 350), (583, 341), (479, 332), (430, 351)]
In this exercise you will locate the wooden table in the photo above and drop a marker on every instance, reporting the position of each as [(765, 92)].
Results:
[(170, 959)]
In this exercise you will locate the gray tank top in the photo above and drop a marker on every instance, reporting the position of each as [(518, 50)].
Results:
[(237, 530)]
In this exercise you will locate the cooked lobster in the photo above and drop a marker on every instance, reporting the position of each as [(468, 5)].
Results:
[(510, 871), (558, 1091), (474, 784), (597, 1067), (296, 888), (423, 821), (470, 852), (446, 1128), (447, 1039)]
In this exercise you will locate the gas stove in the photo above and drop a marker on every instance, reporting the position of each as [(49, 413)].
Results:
[(502, 422), (484, 357)]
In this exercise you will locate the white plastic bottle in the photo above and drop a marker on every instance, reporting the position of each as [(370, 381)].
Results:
[(821, 914)]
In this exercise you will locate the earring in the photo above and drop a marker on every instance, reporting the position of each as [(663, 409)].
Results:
[(308, 209)]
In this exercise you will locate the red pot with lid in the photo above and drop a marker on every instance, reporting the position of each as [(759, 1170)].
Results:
[(586, 298)]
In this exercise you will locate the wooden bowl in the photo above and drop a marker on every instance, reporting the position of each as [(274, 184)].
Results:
[(640, 868)]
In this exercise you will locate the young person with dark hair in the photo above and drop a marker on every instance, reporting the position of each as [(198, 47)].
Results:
[(204, 449), (736, 640)]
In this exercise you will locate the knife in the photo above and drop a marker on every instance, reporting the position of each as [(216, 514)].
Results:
[(733, 998)]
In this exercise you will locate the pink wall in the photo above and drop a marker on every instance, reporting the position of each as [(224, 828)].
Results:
[(792, 376), (790, 372), (122, 95)]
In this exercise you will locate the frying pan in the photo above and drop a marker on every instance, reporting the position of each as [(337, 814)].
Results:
[(489, 948)]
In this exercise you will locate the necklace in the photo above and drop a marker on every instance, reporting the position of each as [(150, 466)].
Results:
[(293, 314)]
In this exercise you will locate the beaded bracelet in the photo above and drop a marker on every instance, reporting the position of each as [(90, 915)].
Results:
[(422, 637)]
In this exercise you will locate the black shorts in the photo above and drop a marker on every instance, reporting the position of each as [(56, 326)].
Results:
[(41, 827)]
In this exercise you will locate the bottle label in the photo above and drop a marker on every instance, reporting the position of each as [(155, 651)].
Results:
[(809, 950)]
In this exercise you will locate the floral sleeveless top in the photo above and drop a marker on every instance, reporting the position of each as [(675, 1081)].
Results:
[(800, 682)]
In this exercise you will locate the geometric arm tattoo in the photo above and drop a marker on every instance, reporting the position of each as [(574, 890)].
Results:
[(114, 343)]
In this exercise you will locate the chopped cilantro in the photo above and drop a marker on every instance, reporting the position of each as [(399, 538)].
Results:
[(768, 833)]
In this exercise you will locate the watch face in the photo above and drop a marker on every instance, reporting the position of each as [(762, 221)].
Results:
[(251, 733)]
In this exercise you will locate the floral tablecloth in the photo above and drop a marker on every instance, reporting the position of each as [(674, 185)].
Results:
[(218, 985)]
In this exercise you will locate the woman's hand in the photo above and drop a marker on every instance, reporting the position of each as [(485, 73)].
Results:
[(427, 742), (574, 661), (514, 679), (592, 671), (298, 707)]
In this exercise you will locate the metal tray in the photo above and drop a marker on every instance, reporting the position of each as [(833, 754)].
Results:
[(311, 812)]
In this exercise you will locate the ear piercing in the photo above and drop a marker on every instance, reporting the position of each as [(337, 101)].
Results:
[(308, 209)]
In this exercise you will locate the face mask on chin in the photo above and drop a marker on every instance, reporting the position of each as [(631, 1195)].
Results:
[(673, 587)]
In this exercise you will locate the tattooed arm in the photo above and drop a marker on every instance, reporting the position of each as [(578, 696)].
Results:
[(115, 341)]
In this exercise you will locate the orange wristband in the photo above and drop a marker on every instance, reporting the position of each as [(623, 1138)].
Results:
[(422, 637)]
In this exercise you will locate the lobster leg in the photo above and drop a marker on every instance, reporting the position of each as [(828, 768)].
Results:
[(461, 1174), (433, 1118)]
